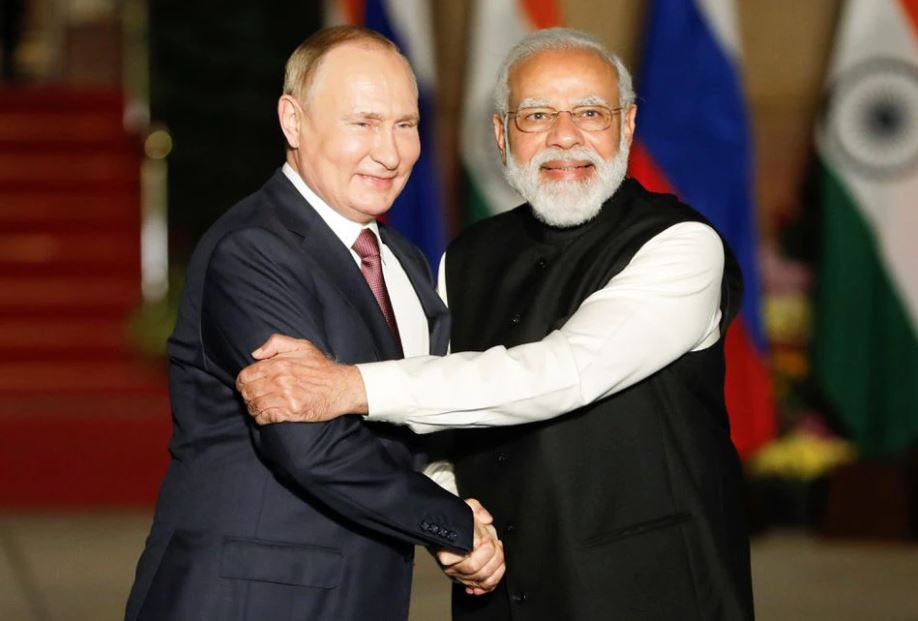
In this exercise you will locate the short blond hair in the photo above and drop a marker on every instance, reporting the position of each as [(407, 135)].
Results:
[(305, 60)]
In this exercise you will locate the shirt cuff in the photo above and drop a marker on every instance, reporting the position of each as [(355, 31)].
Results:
[(382, 383)]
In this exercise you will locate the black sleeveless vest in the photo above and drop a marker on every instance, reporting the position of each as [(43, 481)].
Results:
[(628, 508)]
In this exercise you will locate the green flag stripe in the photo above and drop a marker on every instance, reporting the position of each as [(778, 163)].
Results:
[(865, 345), (476, 206)]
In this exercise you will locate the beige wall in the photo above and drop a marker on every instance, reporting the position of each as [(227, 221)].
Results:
[(785, 50)]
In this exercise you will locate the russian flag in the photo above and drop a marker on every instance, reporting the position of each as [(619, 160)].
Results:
[(693, 140), (418, 212)]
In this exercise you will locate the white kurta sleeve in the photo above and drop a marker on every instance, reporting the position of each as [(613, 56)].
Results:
[(665, 303)]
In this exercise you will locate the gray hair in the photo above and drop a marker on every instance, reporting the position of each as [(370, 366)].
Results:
[(558, 39)]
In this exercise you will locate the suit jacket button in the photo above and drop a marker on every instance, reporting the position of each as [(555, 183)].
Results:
[(515, 319), (502, 458), (541, 262), (510, 527), (520, 597)]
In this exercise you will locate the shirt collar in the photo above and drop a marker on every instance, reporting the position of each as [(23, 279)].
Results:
[(344, 229)]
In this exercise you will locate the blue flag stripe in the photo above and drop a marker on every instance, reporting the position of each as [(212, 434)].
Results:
[(692, 121)]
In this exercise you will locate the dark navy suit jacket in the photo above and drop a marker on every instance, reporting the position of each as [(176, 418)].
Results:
[(287, 521)]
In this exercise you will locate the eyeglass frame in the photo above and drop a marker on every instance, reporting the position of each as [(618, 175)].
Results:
[(557, 114)]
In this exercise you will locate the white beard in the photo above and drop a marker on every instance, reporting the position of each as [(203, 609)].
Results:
[(566, 204)]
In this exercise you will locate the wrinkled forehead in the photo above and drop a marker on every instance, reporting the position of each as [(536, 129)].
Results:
[(572, 76)]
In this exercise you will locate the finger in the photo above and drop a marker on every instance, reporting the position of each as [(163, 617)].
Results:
[(492, 573), (280, 344), (254, 371), (446, 558), (469, 566), (489, 584), (257, 389), (480, 512), (268, 415), (266, 349), (479, 575), (268, 401)]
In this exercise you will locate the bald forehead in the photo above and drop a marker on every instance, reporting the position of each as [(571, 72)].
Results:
[(359, 55)]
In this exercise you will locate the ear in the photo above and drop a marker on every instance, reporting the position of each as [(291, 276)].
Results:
[(500, 136), (290, 115), (630, 117)]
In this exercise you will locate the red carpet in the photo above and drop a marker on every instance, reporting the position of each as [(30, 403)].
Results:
[(83, 420)]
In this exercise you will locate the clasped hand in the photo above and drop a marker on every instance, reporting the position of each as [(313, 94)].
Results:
[(292, 381)]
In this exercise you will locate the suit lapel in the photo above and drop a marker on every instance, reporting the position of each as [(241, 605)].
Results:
[(434, 308), (327, 251)]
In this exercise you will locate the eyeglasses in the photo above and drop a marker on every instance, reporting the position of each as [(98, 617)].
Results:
[(588, 118)]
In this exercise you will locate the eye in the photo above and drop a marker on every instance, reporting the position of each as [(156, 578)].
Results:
[(537, 115), (589, 113)]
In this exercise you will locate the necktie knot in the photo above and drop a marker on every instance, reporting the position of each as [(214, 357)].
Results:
[(366, 245)]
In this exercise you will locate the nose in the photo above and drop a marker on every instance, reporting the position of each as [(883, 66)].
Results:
[(385, 150), (564, 134)]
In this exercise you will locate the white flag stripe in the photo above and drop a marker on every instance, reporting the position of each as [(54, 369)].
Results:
[(412, 20), (722, 18), (497, 25), (879, 30)]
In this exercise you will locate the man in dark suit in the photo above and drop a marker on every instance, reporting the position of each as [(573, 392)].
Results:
[(299, 521)]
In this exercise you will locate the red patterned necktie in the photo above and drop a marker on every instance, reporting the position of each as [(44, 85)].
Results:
[(367, 248)]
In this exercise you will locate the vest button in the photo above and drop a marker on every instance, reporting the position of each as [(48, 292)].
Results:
[(515, 319)]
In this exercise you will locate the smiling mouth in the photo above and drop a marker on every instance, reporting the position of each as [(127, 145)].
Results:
[(377, 180), (566, 166)]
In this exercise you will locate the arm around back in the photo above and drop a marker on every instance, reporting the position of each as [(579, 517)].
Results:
[(255, 285)]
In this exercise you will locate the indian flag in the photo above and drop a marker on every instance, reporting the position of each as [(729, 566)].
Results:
[(866, 332), (496, 26)]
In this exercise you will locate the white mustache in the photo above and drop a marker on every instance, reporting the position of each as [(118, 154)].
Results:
[(576, 153)]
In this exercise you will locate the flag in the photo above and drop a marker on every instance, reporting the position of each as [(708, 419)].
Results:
[(693, 139), (865, 350), (418, 212), (497, 26)]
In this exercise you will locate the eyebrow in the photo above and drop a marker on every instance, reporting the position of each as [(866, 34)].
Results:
[(376, 116), (532, 102), (372, 116), (592, 100)]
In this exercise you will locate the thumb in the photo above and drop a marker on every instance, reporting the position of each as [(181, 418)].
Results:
[(481, 514), (276, 344)]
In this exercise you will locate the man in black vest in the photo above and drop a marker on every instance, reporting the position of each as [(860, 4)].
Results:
[(598, 300)]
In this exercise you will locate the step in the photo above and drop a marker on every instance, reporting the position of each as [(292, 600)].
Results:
[(104, 377), (63, 294), (82, 451), (37, 339), (57, 130), (63, 170), (42, 209), (59, 99), (70, 253)]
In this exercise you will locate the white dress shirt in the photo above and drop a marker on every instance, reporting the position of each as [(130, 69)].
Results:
[(409, 314), (665, 303)]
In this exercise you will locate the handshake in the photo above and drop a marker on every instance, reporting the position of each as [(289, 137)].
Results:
[(481, 569), (292, 381)]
